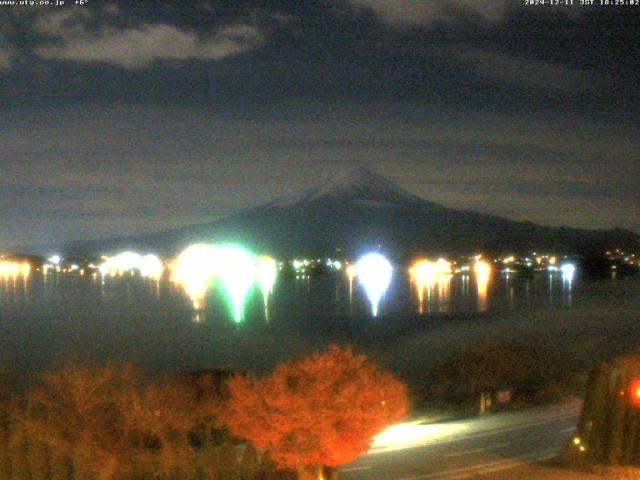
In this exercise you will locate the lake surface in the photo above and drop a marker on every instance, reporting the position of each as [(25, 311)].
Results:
[(45, 321)]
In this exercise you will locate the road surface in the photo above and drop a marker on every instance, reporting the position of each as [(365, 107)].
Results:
[(466, 449)]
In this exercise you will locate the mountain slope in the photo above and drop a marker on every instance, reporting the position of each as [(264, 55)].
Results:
[(360, 210)]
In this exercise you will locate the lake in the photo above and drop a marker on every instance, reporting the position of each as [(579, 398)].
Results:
[(45, 321)]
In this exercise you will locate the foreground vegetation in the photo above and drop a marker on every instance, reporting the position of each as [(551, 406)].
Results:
[(83, 423), (532, 374)]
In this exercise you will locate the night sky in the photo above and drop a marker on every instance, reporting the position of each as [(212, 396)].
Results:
[(117, 120)]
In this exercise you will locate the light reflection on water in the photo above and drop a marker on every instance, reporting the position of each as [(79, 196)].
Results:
[(410, 294), (44, 320)]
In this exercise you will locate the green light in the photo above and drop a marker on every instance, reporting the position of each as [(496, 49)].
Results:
[(235, 268)]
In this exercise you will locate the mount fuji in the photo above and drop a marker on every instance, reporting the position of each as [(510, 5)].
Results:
[(359, 210)]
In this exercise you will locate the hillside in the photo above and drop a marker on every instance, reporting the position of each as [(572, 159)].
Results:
[(360, 210)]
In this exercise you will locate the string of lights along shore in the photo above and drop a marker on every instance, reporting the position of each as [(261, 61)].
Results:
[(235, 271)]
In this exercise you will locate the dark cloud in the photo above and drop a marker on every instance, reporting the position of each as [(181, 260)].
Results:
[(408, 13), (133, 117), (476, 52)]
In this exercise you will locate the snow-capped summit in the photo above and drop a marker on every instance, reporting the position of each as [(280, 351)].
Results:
[(356, 184), (362, 183)]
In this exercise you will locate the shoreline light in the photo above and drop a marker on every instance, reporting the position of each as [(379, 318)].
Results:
[(148, 266), (266, 275), (351, 272), (194, 270), (423, 274), (374, 273), (482, 272), (14, 269), (151, 266), (235, 267), (568, 271)]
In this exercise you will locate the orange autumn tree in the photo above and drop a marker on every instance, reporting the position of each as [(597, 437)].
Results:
[(320, 411)]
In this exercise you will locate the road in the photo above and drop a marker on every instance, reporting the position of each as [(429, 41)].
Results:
[(466, 449)]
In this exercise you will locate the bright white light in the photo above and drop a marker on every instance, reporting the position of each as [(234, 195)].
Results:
[(568, 271), (266, 274), (410, 435), (443, 266), (482, 270), (235, 269), (337, 264), (129, 262), (14, 269), (151, 266), (125, 261), (194, 270), (374, 273), (121, 263), (55, 259), (423, 274)]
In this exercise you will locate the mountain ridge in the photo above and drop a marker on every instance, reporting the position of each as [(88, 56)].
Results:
[(357, 210)]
